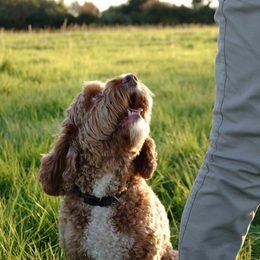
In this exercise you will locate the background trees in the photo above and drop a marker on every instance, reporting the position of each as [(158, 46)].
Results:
[(20, 14)]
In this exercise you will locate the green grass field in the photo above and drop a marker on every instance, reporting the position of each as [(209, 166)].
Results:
[(40, 73)]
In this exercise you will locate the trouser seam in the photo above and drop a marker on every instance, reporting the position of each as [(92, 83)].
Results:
[(224, 85)]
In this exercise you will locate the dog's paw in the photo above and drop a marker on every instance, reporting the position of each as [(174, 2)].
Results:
[(145, 163)]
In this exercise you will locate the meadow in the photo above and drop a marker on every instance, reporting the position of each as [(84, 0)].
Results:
[(40, 73)]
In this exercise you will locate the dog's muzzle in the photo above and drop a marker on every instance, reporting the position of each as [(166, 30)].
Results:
[(130, 80)]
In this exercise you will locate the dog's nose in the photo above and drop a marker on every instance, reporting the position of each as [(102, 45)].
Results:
[(130, 79)]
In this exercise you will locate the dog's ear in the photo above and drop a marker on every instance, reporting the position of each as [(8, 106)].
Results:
[(145, 163), (58, 167)]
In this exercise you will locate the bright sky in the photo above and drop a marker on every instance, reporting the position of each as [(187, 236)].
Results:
[(104, 4)]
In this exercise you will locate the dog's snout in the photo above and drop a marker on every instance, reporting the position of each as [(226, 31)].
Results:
[(130, 79)]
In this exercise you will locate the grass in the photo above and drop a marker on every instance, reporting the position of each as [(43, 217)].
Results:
[(40, 73)]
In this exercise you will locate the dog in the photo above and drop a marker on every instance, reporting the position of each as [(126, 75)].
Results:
[(99, 163)]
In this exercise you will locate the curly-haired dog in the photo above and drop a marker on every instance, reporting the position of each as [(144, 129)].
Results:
[(99, 163)]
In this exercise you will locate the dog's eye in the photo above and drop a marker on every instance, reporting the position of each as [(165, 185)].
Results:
[(95, 97)]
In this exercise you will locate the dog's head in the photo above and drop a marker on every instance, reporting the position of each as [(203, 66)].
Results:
[(105, 120), (116, 113)]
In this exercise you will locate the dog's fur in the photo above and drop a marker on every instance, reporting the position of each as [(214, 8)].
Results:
[(104, 150)]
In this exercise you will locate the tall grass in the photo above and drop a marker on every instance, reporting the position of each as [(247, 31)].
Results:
[(40, 73)]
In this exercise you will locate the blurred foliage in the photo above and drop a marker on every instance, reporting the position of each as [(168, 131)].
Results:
[(84, 14), (19, 14), (23, 14)]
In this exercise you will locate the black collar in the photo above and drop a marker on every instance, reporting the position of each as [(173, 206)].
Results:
[(95, 201)]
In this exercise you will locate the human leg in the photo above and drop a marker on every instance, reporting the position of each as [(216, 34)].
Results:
[(226, 193)]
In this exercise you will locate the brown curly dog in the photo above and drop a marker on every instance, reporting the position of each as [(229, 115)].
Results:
[(99, 163)]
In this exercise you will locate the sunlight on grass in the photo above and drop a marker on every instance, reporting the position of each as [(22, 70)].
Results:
[(40, 73)]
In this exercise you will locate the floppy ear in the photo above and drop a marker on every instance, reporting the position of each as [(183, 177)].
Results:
[(145, 163), (58, 167)]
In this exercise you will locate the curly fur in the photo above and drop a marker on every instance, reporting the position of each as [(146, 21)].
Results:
[(104, 148)]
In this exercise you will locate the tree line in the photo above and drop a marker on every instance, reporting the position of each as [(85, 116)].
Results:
[(23, 14)]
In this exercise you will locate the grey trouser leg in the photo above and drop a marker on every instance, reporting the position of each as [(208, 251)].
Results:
[(226, 193)]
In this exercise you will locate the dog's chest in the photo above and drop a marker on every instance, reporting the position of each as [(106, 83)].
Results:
[(101, 240)]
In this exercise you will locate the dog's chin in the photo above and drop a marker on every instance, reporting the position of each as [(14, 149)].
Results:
[(138, 130)]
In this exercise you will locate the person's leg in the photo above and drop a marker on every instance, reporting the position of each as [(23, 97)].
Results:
[(226, 193)]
